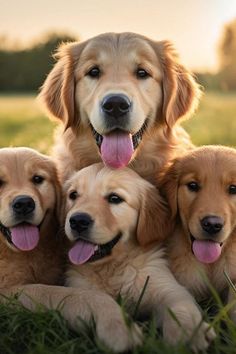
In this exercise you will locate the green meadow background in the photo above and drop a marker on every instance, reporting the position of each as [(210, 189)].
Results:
[(22, 122)]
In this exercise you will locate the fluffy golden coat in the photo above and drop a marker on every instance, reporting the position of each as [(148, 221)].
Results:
[(199, 185), (166, 93), (107, 203)]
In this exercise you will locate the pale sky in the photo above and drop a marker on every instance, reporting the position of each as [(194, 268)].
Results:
[(193, 25)]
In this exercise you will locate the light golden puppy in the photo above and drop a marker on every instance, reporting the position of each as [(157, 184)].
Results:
[(111, 218), (201, 189), (118, 97)]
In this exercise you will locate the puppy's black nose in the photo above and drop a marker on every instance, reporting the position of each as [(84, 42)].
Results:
[(80, 222), (23, 205), (212, 224), (116, 105)]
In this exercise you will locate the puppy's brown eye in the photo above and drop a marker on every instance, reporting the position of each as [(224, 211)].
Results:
[(193, 186), (142, 74), (94, 72), (232, 189), (73, 195), (114, 199), (37, 179), (1, 183)]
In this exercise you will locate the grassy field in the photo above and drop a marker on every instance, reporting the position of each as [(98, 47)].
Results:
[(22, 123)]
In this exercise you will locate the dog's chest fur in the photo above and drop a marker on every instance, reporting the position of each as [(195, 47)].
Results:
[(124, 274)]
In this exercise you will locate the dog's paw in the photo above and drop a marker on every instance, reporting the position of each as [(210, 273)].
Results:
[(117, 336), (197, 334)]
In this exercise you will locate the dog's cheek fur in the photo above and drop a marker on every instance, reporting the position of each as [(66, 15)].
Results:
[(154, 220)]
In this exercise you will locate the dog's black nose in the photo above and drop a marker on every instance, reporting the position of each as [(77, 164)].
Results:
[(23, 205), (80, 222), (116, 105), (212, 224)]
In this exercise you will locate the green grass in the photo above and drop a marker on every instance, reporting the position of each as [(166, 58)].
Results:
[(22, 123)]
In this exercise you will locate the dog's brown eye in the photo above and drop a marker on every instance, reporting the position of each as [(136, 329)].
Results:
[(114, 199), (94, 72), (193, 186), (142, 74), (37, 179), (1, 183), (73, 195), (232, 189)]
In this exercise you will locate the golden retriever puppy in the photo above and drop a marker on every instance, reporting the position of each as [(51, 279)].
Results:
[(30, 251), (119, 97), (201, 189), (111, 217)]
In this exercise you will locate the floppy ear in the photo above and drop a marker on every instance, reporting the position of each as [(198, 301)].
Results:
[(169, 187), (154, 221), (58, 91), (181, 92)]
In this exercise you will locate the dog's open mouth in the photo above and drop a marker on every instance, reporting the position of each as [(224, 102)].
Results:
[(206, 251), (84, 251), (23, 236), (117, 147)]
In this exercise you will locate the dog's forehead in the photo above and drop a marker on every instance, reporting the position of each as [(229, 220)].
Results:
[(118, 47), (217, 164), (19, 161)]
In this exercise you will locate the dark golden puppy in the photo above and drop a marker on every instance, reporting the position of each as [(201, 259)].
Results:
[(124, 93), (111, 217), (201, 189)]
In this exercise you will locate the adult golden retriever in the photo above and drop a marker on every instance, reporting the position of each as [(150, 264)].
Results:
[(111, 218), (201, 189), (119, 97)]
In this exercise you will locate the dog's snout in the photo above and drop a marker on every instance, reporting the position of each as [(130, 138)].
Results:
[(116, 105), (212, 224), (80, 222), (23, 205)]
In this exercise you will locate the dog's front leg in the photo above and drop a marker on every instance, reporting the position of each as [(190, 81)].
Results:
[(80, 306)]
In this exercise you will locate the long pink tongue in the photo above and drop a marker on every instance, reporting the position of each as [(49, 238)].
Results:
[(25, 236), (81, 252), (206, 251), (117, 149)]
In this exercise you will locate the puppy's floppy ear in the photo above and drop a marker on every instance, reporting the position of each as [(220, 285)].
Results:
[(181, 92), (58, 91), (153, 222), (169, 187)]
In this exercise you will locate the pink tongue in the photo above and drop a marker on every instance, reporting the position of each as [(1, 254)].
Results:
[(25, 236), (81, 252), (206, 251), (117, 149)]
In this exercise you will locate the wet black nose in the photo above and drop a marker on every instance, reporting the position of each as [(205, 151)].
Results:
[(80, 222), (23, 205), (212, 224), (116, 105)]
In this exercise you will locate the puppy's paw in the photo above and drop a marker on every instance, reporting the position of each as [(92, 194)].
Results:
[(117, 336), (190, 330)]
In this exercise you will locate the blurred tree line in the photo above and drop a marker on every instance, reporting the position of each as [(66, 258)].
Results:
[(225, 78), (26, 69)]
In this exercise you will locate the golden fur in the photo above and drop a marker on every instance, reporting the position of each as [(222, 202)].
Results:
[(73, 97), (214, 169), (141, 218), (44, 263)]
